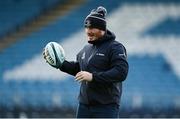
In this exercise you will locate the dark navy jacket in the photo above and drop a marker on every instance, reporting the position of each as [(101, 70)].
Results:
[(106, 59)]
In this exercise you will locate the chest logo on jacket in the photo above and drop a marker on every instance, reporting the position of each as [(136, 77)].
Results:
[(122, 55), (83, 56), (100, 54)]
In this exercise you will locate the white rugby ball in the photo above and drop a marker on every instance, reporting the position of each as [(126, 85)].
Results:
[(54, 53)]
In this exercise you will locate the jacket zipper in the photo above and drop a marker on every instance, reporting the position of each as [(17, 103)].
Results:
[(86, 83), (93, 53)]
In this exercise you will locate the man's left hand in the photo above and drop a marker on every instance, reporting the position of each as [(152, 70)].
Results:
[(83, 76)]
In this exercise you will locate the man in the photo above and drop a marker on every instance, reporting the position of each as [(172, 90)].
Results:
[(101, 67)]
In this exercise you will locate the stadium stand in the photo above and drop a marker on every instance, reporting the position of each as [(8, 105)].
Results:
[(29, 89), (165, 28), (16, 12), (151, 85)]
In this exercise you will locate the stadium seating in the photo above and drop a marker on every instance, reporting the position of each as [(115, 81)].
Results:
[(35, 42), (17, 12), (152, 86), (166, 27), (156, 84)]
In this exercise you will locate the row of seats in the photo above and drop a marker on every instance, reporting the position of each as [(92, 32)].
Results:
[(165, 28), (39, 94), (32, 92), (143, 88), (151, 82), (17, 12)]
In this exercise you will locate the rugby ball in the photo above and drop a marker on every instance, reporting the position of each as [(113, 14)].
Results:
[(55, 54)]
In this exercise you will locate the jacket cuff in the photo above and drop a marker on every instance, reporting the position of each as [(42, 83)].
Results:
[(62, 65), (94, 75)]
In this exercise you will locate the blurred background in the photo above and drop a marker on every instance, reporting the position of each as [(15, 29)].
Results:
[(149, 29)]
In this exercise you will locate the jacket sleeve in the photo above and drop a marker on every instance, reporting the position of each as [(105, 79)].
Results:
[(118, 66), (71, 68)]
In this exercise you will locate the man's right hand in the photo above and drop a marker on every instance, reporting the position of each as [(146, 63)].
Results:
[(45, 57)]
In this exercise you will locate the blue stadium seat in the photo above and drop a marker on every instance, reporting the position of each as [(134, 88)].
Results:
[(151, 82), (14, 13)]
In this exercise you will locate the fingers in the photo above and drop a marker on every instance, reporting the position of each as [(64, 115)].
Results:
[(83, 76), (44, 54), (79, 76), (80, 80)]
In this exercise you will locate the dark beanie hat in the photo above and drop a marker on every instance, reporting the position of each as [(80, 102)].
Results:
[(96, 19)]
